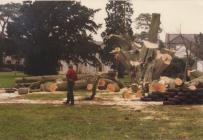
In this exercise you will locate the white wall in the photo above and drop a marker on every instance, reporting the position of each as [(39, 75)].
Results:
[(180, 51), (200, 66), (82, 68)]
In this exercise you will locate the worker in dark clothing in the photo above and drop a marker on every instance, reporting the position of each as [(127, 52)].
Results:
[(71, 78)]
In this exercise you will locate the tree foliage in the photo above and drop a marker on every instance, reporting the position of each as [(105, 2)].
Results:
[(118, 19), (7, 13), (49, 31), (143, 23), (118, 22)]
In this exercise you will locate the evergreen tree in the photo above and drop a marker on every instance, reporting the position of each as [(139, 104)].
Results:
[(118, 23), (49, 31), (118, 19)]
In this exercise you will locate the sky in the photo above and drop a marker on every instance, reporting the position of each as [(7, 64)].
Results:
[(185, 16)]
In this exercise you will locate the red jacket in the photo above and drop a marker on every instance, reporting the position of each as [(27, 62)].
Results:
[(71, 75)]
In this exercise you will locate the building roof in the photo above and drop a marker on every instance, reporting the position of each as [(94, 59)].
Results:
[(173, 40), (195, 41)]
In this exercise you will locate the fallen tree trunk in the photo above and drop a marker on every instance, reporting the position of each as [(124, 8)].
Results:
[(161, 62), (35, 85), (79, 84), (110, 76), (39, 78), (49, 87), (50, 78)]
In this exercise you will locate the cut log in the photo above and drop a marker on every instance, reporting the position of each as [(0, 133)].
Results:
[(89, 87), (166, 80), (113, 87), (23, 91), (127, 94), (178, 82), (102, 84), (138, 94), (53, 87), (170, 82), (79, 84), (157, 87), (109, 75), (49, 87), (62, 86)]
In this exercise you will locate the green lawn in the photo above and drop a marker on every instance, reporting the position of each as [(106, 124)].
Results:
[(7, 79), (47, 122)]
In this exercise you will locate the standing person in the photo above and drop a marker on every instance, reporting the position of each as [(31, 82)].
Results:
[(71, 78)]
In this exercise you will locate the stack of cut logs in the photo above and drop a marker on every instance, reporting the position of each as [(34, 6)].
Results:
[(177, 97), (58, 83), (175, 91), (184, 97)]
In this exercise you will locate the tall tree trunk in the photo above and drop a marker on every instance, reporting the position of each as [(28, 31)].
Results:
[(148, 54)]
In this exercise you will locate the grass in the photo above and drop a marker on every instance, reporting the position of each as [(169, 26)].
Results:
[(47, 122), (7, 79), (125, 80)]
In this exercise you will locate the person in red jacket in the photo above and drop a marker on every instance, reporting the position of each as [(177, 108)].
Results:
[(71, 78)]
